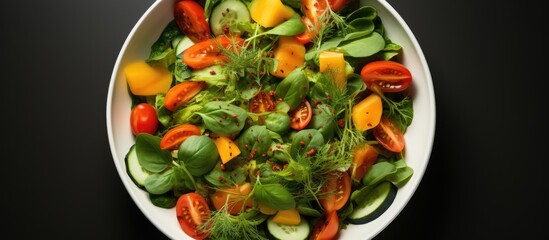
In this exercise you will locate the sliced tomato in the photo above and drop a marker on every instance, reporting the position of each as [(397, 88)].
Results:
[(175, 136), (337, 191), (261, 102), (192, 211), (182, 93), (337, 5), (235, 197), (301, 115), (143, 119), (326, 228), (389, 135), (206, 53), (189, 16), (363, 158), (386, 76), (312, 10), (307, 35)]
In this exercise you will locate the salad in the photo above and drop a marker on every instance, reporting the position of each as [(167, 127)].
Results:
[(270, 119)]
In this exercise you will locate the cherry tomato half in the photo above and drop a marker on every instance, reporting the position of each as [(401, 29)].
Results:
[(206, 53), (175, 136), (261, 102), (312, 10), (387, 76), (182, 93), (143, 119), (338, 189), (192, 211), (389, 135), (326, 228), (301, 116), (189, 16)]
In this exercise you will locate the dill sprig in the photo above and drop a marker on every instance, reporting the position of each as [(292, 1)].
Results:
[(223, 225), (250, 61), (329, 23)]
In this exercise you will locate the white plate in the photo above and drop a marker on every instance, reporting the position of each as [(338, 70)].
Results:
[(419, 136)]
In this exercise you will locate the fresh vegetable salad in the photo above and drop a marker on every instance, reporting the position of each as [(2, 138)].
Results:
[(270, 119)]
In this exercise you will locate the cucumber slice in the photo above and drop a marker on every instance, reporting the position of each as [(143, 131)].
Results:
[(288, 232), (226, 15), (381, 198), (133, 168), (183, 44), (176, 41)]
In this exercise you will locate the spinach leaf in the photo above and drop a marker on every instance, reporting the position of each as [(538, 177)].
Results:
[(293, 88), (254, 142), (223, 118), (199, 154), (367, 12), (278, 122), (306, 140), (324, 120), (149, 154), (363, 47), (161, 51), (274, 195), (166, 200), (225, 178), (290, 27), (159, 183), (183, 181), (306, 209), (378, 172)]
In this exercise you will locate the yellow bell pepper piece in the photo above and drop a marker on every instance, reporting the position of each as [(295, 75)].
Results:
[(227, 148), (287, 217), (367, 113), (146, 80), (290, 54), (269, 13), (333, 63)]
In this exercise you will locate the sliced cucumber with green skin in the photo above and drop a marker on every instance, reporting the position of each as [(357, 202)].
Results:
[(226, 14), (183, 44), (288, 232), (133, 168), (176, 41), (381, 198)]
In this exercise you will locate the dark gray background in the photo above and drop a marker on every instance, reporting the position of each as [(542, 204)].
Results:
[(486, 177)]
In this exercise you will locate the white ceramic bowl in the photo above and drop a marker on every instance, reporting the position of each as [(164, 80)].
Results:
[(419, 136)]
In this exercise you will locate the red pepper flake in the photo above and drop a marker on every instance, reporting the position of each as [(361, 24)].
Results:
[(285, 166), (302, 143), (275, 168), (212, 72), (223, 168), (311, 152), (341, 123)]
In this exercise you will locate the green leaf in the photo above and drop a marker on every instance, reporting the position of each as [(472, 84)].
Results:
[(304, 141), (378, 172), (225, 178), (275, 196), (290, 27), (149, 154), (160, 183), (183, 181), (293, 88), (223, 118), (199, 154), (254, 142), (166, 200), (363, 47)]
